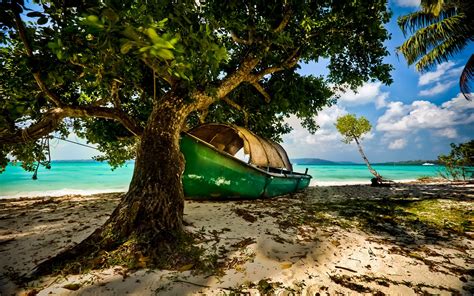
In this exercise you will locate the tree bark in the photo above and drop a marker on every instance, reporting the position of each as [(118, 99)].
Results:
[(371, 169), (155, 199), (149, 216)]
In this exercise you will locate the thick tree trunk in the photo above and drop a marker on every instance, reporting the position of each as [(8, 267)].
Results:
[(148, 219), (371, 169), (155, 200)]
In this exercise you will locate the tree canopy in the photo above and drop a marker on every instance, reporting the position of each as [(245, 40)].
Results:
[(352, 128), (97, 67)]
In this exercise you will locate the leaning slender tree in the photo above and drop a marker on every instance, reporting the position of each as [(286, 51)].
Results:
[(353, 129), (131, 75), (440, 29)]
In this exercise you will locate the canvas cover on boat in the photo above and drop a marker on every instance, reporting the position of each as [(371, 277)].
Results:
[(231, 139)]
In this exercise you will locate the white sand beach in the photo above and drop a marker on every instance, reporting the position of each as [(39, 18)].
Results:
[(327, 240)]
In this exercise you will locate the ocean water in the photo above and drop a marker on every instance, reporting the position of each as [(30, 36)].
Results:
[(360, 173), (83, 177)]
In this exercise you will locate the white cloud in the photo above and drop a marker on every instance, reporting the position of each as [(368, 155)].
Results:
[(449, 133), (443, 77), (300, 143), (408, 3), (437, 89), (459, 103), (380, 101), (400, 119), (327, 117), (397, 144), (443, 70), (368, 93)]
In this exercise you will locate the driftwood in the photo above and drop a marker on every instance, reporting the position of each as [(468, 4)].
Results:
[(379, 182)]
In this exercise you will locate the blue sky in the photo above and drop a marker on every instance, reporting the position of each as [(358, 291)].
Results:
[(416, 117)]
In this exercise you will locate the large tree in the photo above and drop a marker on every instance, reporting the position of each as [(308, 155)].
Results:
[(131, 75), (440, 29)]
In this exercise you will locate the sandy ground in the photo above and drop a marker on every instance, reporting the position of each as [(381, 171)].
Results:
[(325, 241)]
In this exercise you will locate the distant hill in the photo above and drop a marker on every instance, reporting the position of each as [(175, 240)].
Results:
[(312, 161)]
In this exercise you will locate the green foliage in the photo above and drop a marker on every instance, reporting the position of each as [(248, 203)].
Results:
[(459, 162), (440, 29), (352, 128), (127, 55)]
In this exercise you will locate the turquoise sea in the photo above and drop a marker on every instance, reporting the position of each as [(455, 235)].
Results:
[(82, 177)]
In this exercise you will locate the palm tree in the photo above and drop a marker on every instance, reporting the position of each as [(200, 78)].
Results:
[(440, 29)]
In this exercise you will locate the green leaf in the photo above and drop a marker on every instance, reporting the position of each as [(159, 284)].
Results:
[(92, 18), (125, 48), (130, 33), (42, 20), (93, 21), (165, 54), (34, 14), (153, 35), (145, 48), (52, 45), (162, 23)]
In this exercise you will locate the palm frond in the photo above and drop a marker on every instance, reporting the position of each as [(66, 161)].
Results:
[(466, 79), (441, 53), (411, 22), (432, 6), (433, 35)]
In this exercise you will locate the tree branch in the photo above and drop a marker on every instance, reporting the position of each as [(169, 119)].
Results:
[(52, 118), (22, 33), (290, 62), (261, 90), (47, 124), (203, 100), (239, 76), (284, 22), (251, 32), (240, 40), (238, 107), (165, 76), (108, 113), (115, 94), (203, 115)]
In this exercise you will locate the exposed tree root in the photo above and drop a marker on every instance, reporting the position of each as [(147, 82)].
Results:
[(165, 250)]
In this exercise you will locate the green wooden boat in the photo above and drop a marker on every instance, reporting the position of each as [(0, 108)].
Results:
[(213, 171)]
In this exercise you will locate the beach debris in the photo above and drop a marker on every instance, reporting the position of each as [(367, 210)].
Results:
[(345, 268), (371, 253), (244, 243), (286, 265), (348, 282), (72, 286), (246, 215)]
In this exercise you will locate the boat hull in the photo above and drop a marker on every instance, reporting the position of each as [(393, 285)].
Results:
[(210, 173)]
